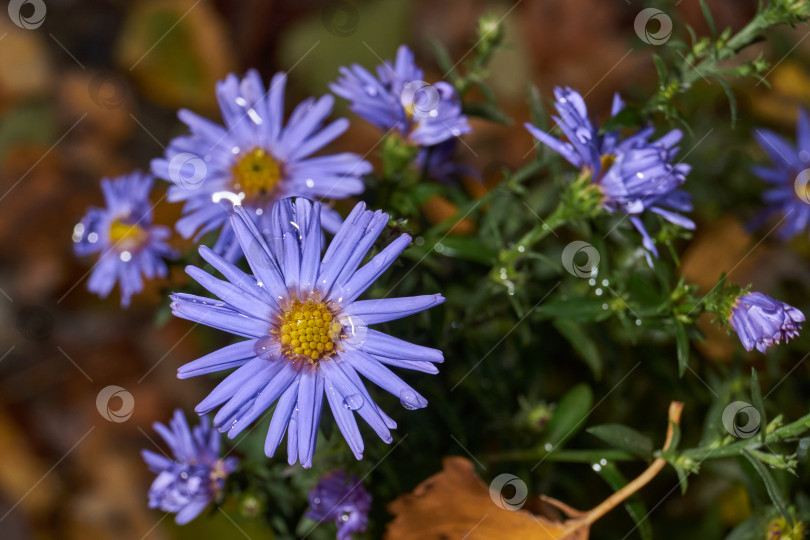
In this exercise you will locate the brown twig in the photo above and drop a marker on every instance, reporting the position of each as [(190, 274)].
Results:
[(639, 482)]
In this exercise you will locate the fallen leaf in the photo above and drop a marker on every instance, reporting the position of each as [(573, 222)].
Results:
[(456, 503)]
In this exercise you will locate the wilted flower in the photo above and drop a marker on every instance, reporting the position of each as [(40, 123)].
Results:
[(760, 321), (256, 158), (307, 333), (399, 99), (130, 247), (341, 498), (789, 177), (196, 476), (633, 174)]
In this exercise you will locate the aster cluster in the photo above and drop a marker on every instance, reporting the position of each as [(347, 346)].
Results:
[(290, 281)]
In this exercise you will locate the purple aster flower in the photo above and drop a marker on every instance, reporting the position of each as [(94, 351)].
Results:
[(130, 246), (307, 333), (256, 159), (341, 498), (442, 164), (789, 194), (195, 477), (634, 174), (760, 321), (399, 99)]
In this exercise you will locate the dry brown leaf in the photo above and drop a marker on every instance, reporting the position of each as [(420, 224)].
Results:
[(456, 503)]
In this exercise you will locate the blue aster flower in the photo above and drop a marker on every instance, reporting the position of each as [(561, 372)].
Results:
[(131, 247), (307, 334), (633, 174), (760, 321), (399, 99), (255, 159), (441, 162), (341, 498), (195, 477), (789, 194)]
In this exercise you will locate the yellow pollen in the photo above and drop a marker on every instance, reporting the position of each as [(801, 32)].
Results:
[(256, 173), (307, 331), (606, 162), (125, 236)]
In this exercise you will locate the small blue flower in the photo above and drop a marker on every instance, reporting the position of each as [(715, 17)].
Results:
[(633, 174), (341, 498), (307, 334), (442, 164), (399, 99), (256, 159), (790, 192), (195, 477), (760, 321), (130, 246)]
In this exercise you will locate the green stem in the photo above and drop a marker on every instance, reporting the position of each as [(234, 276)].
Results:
[(541, 229), (566, 456)]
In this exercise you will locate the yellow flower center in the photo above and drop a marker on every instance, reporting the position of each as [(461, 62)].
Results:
[(126, 236), (308, 331), (256, 173)]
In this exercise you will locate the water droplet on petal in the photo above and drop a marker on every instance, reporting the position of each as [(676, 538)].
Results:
[(353, 402), (409, 399), (267, 348)]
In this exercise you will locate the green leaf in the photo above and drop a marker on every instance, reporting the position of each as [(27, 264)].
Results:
[(536, 110), (624, 438), (627, 117), (661, 68), (574, 308), (732, 101), (444, 60), (582, 344), (683, 478), (487, 111), (709, 19), (756, 397), (571, 412), (770, 484), (682, 342), (634, 506), (464, 247)]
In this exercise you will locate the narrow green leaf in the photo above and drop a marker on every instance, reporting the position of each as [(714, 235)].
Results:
[(756, 397), (682, 342), (627, 117), (462, 247), (634, 505), (661, 68), (578, 309), (683, 478), (709, 19), (732, 101), (582, 344), (570, 415), (444, 60), (624, 438), (536, 110), (770, 485), (486, 111)]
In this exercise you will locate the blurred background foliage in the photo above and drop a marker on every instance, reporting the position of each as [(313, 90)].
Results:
[(94, 91)]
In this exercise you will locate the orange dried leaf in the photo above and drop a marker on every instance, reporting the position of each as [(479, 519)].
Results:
[(455, 503)]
